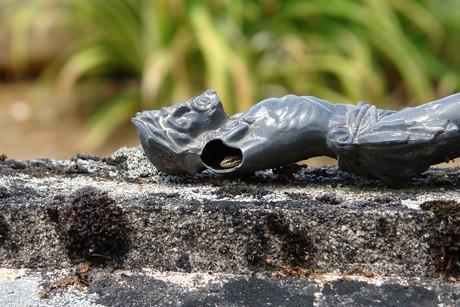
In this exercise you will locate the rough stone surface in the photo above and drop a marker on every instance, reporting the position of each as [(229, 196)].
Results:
[(272, 237)]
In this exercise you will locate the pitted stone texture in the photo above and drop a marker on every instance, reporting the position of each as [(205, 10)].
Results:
[(322, 219)]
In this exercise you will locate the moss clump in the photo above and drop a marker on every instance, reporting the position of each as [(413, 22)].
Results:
[(4, 193), (4, 231), (445, 243), (93, 227), (297, 246), (286, 173), (277, 224), (255, 252)]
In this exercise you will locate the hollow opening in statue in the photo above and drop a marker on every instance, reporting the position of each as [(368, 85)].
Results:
[(217, 155)]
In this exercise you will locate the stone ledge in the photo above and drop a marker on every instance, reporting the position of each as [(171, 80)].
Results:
[(317, 220)]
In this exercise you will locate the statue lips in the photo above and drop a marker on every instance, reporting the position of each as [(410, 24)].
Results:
[(392, 146)]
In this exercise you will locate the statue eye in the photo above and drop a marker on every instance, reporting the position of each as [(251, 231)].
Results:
[(181, 111)]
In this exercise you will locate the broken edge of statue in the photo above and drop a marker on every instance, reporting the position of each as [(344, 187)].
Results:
[(392, 146)]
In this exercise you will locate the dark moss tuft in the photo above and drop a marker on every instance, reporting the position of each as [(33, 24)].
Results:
[(4, 193), (4, 231), (286, 173), (277, 223), (255, 252), (298, 247), (184, 263), (53, 214), (445, 243), (93, 226)]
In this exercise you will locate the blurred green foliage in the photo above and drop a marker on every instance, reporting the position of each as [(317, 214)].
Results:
[(152, 53)]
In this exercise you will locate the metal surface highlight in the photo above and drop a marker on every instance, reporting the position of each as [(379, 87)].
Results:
[(392, 146)]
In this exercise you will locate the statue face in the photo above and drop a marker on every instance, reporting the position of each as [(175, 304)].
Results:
[(194, 116), (172, 136)]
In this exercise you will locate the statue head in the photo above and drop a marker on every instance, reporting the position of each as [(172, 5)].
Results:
[(173, 136)]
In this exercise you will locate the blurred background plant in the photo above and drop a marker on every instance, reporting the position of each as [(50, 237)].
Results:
[(104, 60)]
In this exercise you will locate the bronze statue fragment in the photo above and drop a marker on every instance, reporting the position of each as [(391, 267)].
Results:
[(392, 146)]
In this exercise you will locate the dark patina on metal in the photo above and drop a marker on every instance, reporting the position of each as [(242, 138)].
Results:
[(392, 146)]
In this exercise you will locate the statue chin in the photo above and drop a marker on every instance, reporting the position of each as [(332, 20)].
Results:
[(392, 146)]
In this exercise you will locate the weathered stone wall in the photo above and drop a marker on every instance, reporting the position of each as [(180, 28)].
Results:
[(126, 234), (319, 219)]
